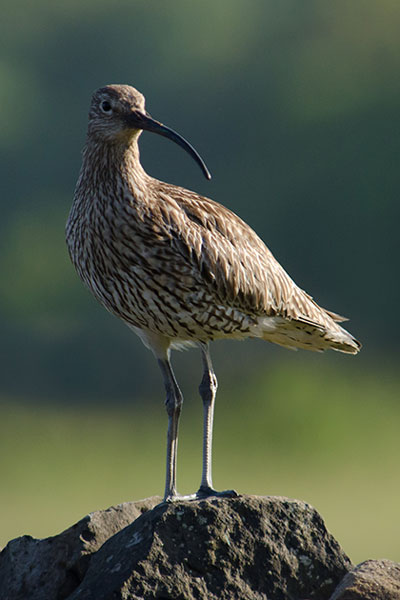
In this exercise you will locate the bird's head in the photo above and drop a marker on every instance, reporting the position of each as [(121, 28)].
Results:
[(117, 115)]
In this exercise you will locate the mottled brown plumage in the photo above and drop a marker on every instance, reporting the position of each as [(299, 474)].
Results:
[(178, 268)]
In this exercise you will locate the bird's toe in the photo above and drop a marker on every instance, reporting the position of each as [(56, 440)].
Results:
[(207, 492)]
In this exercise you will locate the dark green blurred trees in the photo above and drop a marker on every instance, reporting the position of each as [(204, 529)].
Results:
[(294, 106)]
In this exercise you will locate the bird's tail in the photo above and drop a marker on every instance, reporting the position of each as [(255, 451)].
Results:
[(307, 335)]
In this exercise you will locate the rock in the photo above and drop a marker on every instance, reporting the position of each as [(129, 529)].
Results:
[(247, 547), (52, 568), (371, 580)]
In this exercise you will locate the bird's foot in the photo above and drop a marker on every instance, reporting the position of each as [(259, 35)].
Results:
[(201, 494), (178, 497), (207, 492)]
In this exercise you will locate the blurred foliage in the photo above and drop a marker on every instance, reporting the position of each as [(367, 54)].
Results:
[(295, 107), (296, 431)]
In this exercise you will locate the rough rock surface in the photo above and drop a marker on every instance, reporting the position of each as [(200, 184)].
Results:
[(52, 568), (371, 580), (248, 547)]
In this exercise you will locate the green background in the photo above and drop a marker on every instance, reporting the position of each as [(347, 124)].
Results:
[(295, 109)]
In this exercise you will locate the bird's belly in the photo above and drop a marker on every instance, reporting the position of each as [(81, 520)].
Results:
[(172, 303)]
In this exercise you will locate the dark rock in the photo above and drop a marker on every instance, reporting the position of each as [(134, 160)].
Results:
[(52, 568), (371, 580), (248, 547)]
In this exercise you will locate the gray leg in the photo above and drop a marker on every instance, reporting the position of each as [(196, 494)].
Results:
[(208, 390), (173, 403)]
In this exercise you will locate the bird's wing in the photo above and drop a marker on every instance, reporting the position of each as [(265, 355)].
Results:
[(234, 262)]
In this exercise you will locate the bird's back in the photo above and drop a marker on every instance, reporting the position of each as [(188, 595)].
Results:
[(239, 272)]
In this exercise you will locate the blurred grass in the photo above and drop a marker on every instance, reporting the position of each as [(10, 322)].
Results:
[(327, 436)]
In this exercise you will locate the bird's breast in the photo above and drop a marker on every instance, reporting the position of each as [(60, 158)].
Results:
[(133, 266)]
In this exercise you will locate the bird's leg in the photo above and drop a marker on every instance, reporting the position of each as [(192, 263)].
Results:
[(208, 390), (173, 403)]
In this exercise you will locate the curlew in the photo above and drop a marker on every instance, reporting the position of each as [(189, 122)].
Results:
[(178, 268)]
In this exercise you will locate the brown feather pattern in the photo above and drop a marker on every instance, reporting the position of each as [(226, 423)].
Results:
[(175, 265)]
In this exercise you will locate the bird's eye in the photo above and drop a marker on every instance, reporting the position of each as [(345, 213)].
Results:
[(106, 106)]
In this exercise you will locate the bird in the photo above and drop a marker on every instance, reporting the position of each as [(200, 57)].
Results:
[(180, 269)]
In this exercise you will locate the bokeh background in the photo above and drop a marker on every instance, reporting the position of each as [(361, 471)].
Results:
[(295, 108)]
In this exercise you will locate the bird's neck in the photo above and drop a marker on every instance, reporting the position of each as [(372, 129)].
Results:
[(114, 163)]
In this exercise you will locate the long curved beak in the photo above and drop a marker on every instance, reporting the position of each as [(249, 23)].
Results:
[(140, 120)]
